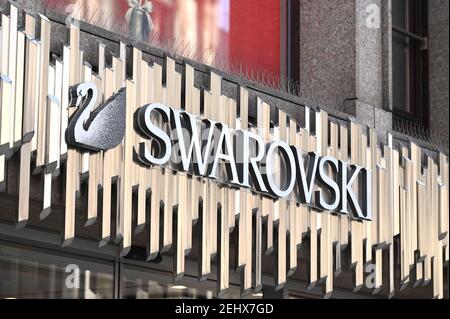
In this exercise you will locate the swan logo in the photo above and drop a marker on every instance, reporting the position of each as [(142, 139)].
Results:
[(100, 129)]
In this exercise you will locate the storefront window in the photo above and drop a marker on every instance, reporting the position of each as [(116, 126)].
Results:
[(142, 283), (139, 283), (245, 34), (34, 274)]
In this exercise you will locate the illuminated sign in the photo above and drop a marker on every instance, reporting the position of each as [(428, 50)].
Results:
[(185, 142)]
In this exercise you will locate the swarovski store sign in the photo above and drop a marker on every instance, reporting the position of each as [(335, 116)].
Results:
[(294, 173), (154, 153), (200, 145)]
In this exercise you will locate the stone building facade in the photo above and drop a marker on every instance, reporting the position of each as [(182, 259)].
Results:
[(346, 59)]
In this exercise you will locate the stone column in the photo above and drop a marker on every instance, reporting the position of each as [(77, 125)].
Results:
[(438, 21), (342, 47)]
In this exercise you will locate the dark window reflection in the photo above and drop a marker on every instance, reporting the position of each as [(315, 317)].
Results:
[(139, 283), (400, 78), (35, 274), (400, 55), (410, 60)]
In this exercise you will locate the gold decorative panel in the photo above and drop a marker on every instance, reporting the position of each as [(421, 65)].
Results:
[(409, 189)]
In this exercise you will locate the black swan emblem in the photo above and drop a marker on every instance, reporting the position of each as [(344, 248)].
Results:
[(102, 129)]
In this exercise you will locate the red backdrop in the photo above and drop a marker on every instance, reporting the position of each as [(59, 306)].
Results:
[(242, 32), (255, 33)]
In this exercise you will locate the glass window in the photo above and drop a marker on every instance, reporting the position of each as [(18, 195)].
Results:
[(219, 32), (27, 273), (399, 64), (400, 55), (142, 283), (409, 60)]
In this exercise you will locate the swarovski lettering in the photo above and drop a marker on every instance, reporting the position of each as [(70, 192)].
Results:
[(241, 158)]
